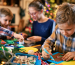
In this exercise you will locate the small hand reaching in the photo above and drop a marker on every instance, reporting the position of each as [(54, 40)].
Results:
[(34, 38)]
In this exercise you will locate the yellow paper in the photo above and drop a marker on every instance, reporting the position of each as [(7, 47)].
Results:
[(69, 63), (58, 64), (26, 49)]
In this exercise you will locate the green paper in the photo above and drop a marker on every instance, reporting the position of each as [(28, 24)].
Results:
[(15, 39), (9, 41), (4, 48)]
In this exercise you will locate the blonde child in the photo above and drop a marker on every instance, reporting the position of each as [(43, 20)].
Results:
[(64, 34), (5, 20)]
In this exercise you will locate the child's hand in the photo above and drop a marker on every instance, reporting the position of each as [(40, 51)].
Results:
[(45, 55), (18, 36), (24, 35), (34, 38), (68, 56), (21, 38)]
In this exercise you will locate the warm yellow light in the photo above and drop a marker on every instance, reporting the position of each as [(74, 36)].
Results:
[(3, 62), (2, 47)]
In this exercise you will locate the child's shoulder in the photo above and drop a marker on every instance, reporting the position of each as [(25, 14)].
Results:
[(56, 27)]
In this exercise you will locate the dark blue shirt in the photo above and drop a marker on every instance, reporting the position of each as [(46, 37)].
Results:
[(42, 29)]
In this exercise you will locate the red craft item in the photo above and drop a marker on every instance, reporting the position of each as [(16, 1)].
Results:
[(44, 63), (39, 57), (3, 42)]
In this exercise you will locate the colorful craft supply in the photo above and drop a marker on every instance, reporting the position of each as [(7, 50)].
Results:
[(68, 63), (27, 49), (15, 39), (54, 61), (21, 42), (4, 48), (9, 41), (19, 46), (3, 42), (25, 59)]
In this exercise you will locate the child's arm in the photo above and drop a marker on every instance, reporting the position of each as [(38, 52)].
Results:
[(48, 43), (3, 37), (10, 33)]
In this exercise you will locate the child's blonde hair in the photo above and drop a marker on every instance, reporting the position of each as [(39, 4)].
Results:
[(66, 14), (5, 12)]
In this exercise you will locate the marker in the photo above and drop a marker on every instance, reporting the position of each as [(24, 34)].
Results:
[(48, 53)]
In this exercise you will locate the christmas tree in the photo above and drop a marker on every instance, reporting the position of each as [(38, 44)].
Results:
[(50, 9)]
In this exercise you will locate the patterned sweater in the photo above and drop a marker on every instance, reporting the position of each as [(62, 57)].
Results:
[(62, 43)]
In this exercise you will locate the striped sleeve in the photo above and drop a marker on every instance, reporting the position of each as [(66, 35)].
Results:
[(6, 32), (50, 40)]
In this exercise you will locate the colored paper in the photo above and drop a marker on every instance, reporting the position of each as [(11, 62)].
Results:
[(69, 63), (9, 41), (26, 49)]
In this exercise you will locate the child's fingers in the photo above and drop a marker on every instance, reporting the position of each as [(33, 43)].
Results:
[(74, 58), (70, 57), (65, 55), (45, 55)]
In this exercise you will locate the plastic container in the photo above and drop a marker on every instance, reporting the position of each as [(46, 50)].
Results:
[(38, 62)]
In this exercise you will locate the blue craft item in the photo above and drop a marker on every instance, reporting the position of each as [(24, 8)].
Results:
[(21, 33), (17, 42), (52, 60), (48, 53), (38, 62)]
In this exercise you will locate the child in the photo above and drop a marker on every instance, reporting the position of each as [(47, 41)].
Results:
[(5, 20), (42, 26), (64, 34), (5, 17)]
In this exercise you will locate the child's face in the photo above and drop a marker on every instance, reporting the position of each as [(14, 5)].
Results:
[(5, 21), (35, 15), (66, 29)]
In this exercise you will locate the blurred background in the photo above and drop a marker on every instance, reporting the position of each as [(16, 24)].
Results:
[(22, 19)]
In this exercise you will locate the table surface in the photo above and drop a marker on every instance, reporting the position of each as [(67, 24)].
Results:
[(30, 44)]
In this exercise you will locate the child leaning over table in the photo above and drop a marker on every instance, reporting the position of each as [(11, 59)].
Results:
[(5, 20), (64, 34), (10, 33)]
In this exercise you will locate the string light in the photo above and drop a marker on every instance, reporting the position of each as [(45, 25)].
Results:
[(50, 13)]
